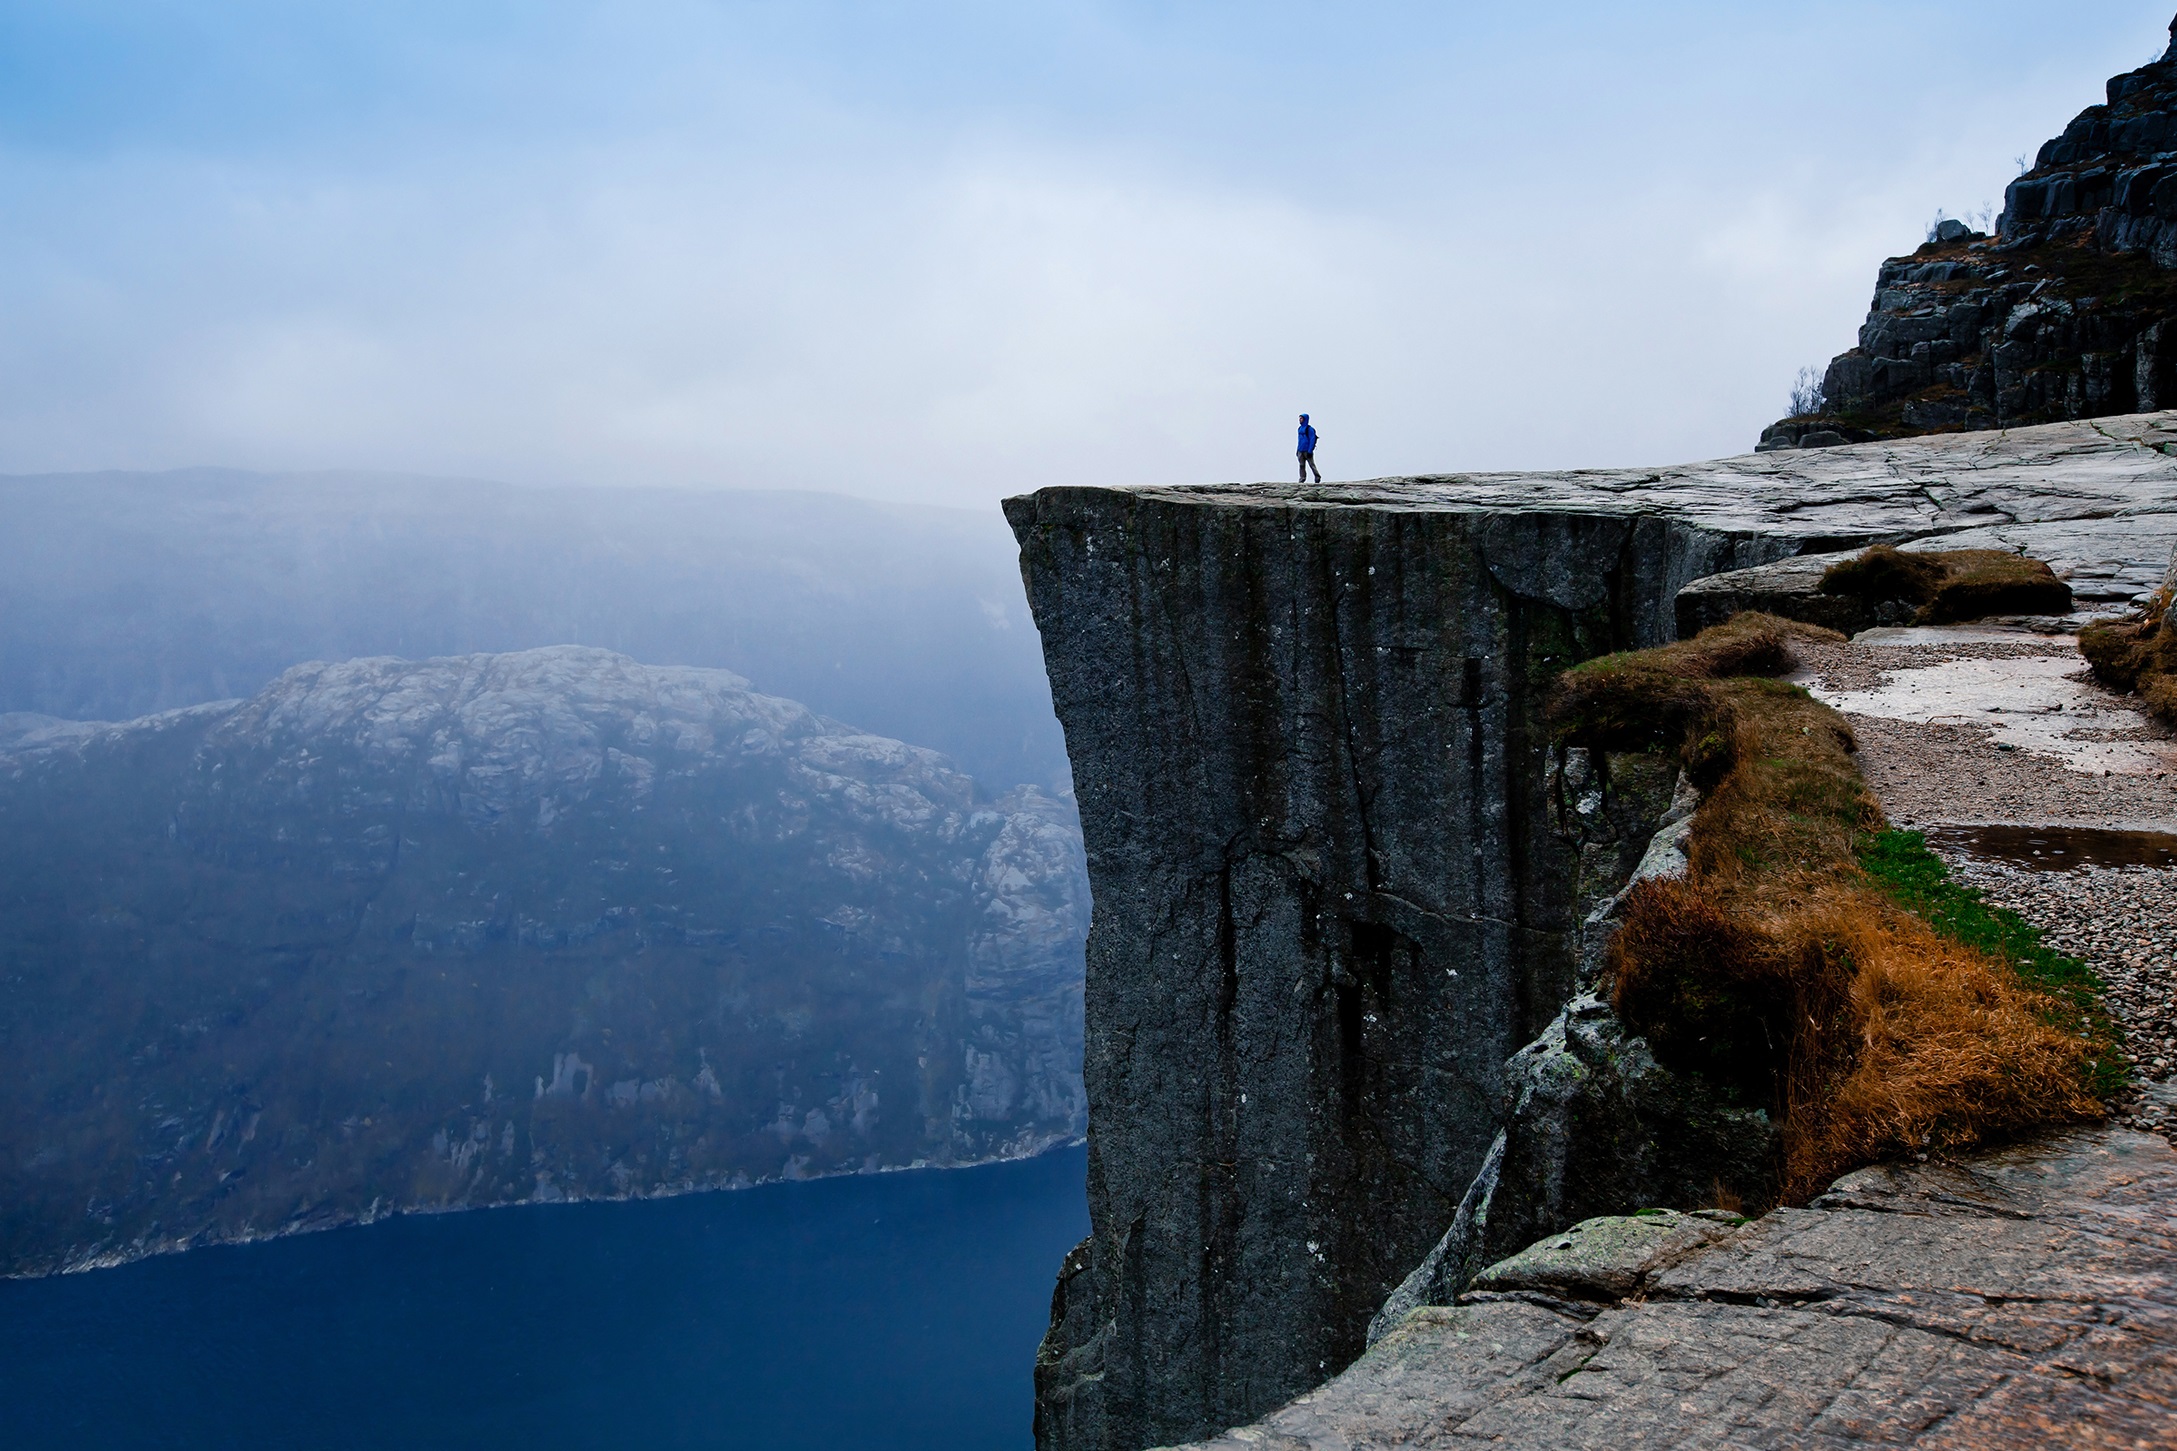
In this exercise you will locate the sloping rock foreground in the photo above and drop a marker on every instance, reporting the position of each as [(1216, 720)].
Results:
[(1343, 879), (397, 935), (2027, 1298)]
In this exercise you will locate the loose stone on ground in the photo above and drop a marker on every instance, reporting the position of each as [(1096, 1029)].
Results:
[(2122, 923), (1981, 724)]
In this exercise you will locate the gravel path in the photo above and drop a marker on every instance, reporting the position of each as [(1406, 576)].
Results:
[(1966, 767), (2122, 923), (1927, 772)]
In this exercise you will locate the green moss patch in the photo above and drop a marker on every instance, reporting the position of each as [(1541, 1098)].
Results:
[(1902, 865)]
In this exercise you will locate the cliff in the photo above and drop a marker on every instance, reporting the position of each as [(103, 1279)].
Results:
[(396, 935), (1341, 879), (2063, 314)]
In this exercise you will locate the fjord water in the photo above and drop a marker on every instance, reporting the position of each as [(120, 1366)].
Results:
[(883, 1311)]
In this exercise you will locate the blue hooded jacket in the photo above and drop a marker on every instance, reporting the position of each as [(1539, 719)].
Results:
[(1307, 438)]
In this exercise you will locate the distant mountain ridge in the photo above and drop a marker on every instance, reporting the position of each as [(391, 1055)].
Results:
[(122, 594), (395, 934)]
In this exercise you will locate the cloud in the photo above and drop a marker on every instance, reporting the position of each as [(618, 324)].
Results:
[(827, 277)]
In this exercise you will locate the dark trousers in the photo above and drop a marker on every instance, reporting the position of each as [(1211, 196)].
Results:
[(1307, 463)]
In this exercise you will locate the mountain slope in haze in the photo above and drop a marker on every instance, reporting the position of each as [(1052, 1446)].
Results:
[(122, 594), (552, 924)]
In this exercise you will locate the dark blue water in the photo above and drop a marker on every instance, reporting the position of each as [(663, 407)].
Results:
[(889, 1311)]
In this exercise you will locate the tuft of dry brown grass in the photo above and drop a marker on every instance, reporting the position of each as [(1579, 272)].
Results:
[(1951, 585), (1951, 1049), (2138, 654), (1776, 969)]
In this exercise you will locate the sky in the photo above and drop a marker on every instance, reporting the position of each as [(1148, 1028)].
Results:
[(944, 252)]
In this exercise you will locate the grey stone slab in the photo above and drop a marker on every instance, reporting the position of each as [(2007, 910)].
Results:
[(1789, 587), (1609, 1257), (2021, 1298)]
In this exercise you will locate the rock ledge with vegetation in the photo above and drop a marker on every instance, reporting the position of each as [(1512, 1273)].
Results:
[(1346, 872)]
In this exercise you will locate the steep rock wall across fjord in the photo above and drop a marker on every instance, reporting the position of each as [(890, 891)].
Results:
[(549, 925), (1333, 891)]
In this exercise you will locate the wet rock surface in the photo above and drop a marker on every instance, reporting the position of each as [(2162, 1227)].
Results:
[(396, 935), (1992, 723), (1338, 871), (2021, 1298)]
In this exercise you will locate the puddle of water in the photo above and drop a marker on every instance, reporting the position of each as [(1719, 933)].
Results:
[(2039, 703), (2011, 630), (2058, 848)]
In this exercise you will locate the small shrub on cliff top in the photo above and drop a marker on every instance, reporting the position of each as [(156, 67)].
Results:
[(1783, 971), (1951, 585), (1806, 393)]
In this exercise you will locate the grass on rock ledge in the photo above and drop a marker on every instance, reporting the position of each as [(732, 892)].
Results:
[(1810, 962), (2139, 654), (1950, 585)]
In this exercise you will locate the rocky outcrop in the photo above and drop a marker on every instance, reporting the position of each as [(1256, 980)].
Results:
[(548, 925), (2023, 1298), (1592, 1124), (2069, 311), (2107, 568), (1341, 878)]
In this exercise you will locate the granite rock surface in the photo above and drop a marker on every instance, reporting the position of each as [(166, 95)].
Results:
[(2024, 1298), (396, 934)]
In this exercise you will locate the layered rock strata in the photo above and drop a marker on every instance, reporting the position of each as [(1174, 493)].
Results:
[(548, 925), (1340, 878), (2067, 312)]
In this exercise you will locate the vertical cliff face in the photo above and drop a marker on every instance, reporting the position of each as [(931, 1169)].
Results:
[(1332, 900)]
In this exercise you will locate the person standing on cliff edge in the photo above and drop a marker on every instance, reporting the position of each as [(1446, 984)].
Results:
[(1307, 450)]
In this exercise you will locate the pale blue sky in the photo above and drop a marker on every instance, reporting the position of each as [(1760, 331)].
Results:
[(950, 251)]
